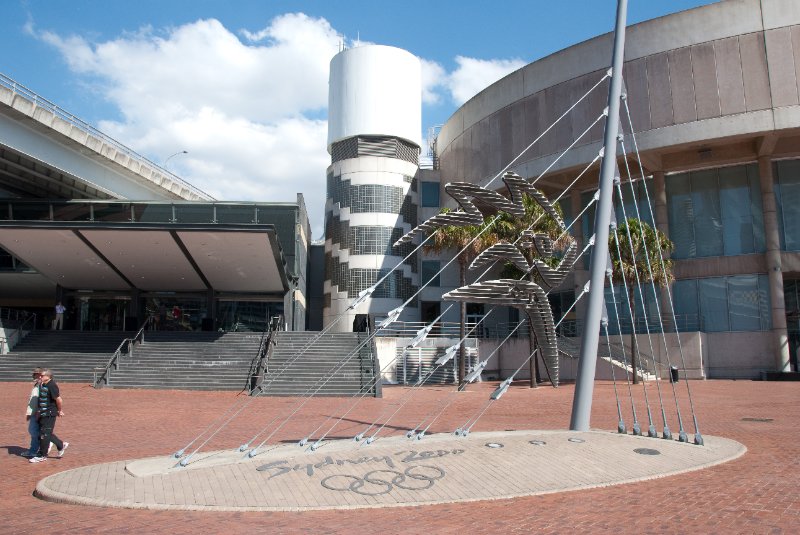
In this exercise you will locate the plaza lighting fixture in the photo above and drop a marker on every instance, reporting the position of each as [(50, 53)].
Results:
[(172, 156)]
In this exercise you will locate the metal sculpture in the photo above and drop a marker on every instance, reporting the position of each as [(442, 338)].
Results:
[(526, 295)]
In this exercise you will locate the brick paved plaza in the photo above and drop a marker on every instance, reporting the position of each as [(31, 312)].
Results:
[(757, 493)]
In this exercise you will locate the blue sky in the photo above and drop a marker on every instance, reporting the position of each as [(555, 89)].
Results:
[(242, 86)]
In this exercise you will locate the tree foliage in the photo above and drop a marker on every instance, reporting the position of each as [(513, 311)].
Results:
[(640, 255)]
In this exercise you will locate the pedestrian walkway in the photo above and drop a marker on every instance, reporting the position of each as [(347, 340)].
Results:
[(755, 493)]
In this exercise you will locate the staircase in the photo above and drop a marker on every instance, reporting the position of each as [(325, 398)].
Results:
[(188, 361), (572, 347), (200, 361), (320, 369), (72, 355)]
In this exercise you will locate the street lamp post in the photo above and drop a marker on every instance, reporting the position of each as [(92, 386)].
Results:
[(172, 156)]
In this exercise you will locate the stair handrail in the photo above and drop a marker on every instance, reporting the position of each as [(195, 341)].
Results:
[(260, 364), (102, 374), (17, 334), (376, 365)]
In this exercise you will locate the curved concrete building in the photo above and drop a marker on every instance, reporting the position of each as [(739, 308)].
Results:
[(714, 101), (373, 138)]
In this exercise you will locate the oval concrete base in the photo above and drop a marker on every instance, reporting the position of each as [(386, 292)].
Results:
[(390, 472)]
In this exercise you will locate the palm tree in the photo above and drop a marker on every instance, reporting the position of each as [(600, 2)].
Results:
[(640, 262), (509, 228), (469, 241)]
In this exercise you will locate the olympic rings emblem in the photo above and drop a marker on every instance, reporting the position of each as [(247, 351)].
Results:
[(375, 483)]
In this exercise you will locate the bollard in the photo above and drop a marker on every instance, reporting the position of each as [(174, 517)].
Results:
[(673, 374)]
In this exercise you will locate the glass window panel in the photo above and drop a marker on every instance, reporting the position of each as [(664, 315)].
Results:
[(112, 212), (430, 272), (177, 313), (284, 219), (788, 199), (744, 303), (560, 303), (684, 298), (706, 215), (31, 211), (619, 317), (737, 223), (650, 307), (681, 215), (71, 211), (765, 306), (6, 260), (240, 214), (790, 293), (587, 221), (245, 315), (635, 203), (713, 304), (646, 206), (194, 213), (756, 209), (430, 194), (776, 185), (153, 213)]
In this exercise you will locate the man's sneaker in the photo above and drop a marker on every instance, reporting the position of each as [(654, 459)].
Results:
[(50, 448), (62, 450), (37, 460)]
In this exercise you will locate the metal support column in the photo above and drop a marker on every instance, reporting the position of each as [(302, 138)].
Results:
[(584, 383)]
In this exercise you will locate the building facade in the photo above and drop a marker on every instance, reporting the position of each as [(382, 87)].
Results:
[(714, 103), (117, 239)]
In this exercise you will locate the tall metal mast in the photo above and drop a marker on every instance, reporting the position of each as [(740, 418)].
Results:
[(584, 384)]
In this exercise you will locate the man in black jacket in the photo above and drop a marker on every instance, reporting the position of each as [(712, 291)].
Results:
[(49, 408)]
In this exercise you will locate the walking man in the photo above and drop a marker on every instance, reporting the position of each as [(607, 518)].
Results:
[(60, 309), (49, 408), (30, 415)]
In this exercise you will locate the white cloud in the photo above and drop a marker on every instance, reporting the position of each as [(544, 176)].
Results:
[(473, 75), (248, 114), (249, 110), (434, 77)]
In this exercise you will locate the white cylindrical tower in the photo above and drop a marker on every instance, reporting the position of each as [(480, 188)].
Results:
[(374, 126)]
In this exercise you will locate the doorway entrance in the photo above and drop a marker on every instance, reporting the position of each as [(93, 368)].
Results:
[(103, 314)]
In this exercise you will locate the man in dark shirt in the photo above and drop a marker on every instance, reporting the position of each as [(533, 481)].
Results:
[(48, 409)]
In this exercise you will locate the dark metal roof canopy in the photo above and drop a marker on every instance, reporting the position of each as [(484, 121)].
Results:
[(151, 256)]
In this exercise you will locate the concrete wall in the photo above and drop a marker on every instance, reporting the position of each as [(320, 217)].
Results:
[(741, 355)]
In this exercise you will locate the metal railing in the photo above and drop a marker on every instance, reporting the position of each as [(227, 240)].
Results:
[(14, 337), (13, 315), (85, 127), (443, 329), (567, 328), (102, 374), (260, 365), (419, 363)]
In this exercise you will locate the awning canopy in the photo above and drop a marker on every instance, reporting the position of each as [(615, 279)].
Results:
[(151, 257)]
